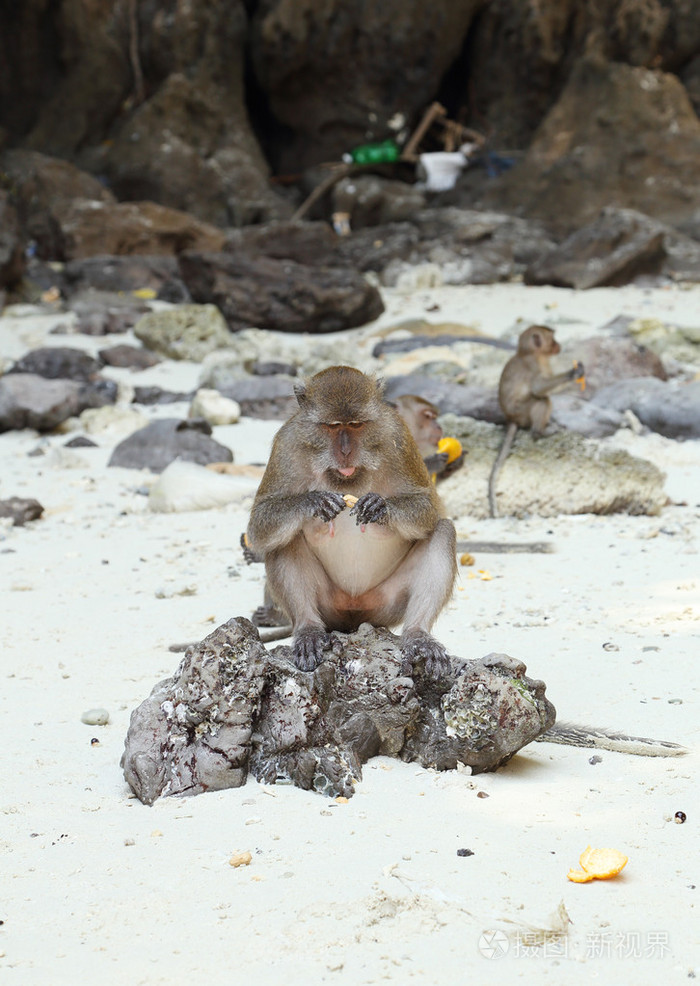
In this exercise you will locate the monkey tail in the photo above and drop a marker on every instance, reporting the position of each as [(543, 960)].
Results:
[(496, 468), (569, 734)]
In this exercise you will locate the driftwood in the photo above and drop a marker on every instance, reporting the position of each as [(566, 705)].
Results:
[(234, 708)]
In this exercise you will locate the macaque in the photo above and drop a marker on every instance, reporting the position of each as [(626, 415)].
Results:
[(349, 524), (524, 388), (421, 418)]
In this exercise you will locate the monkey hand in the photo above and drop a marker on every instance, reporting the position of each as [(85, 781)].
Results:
[(370, 509), (577, 370), (325, 505), (436, 463)]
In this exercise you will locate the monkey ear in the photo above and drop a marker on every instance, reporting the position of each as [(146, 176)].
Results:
[(300, 393), (536, 340), (379, 381)]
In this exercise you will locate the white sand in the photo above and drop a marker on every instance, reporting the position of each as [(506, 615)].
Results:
[(96, 886)]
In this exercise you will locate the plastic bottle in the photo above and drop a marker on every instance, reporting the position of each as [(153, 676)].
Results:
[(386, 150)]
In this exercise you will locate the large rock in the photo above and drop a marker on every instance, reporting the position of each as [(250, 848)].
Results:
[(31, 401), (340, 74), (234, 708), (618, 246), (280, 294), (58, 362), (190, 144), (162, 442), (184, 332), (560, 474), (616, 134), (46, 188), (672, 409), (91, 228)]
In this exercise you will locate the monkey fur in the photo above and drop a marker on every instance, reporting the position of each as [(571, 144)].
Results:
[(387, 559), (523, 392)]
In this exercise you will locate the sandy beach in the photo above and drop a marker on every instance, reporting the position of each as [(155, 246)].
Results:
[(96, 885)]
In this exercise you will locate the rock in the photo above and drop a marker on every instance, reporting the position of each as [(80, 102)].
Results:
[(80, 441), (280, 294), (161, 442), (671, 409), (376, 247), (560, 474), (214, 407), (234, 708), (612, 359), (312, 243), (614, 249), (258, 397), (95, 717), (190, 144), (186, 332), (22, 510), (12, 261), (46, 188), (131, 357), (114, 421), (186, 486), (638, 148), (370, 200), (573, 413), (91, 229), (58, 362), (124, 274), (156, 395), (31, 401)]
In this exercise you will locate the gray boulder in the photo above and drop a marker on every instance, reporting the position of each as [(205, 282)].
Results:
[(234, 708), (161, 442), (31, 401)]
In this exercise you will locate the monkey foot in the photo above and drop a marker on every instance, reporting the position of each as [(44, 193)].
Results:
[(308, 648), (268, 616), (418, 645)]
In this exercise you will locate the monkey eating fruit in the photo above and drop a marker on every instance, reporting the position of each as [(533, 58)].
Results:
[(388, 559), (421, 418), (524, 388)]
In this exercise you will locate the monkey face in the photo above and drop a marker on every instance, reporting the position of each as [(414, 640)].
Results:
[(345, 445)]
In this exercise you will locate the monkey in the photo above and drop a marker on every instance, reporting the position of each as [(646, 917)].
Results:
[(524, 388), (387, 558), (421, 417)]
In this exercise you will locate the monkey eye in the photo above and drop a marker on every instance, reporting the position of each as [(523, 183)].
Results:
[(337, 425)]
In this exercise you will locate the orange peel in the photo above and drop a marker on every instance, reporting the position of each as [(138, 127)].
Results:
[(452, 447), (598, 864)]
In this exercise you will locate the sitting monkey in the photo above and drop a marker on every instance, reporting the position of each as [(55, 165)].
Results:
[(349, 524)]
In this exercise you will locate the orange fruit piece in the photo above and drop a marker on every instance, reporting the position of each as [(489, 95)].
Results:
[(452, 447), (602, 863), (580, 876)]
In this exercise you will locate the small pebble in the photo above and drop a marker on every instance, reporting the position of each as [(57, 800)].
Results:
[(679, 817), (94, 741), (482, 794), (465, 852), (240, 859), (595, 759), (95, 717), (610, 646)]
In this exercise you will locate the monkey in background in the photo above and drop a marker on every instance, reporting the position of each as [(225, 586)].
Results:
[(349, 524), (524, 388), (421, 418)]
